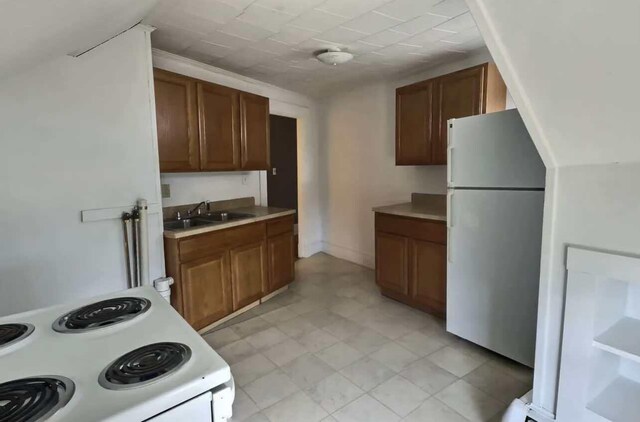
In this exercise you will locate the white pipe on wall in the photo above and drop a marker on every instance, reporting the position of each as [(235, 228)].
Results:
[(143, 243)]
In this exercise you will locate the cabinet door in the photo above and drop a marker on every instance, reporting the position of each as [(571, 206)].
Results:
[(392, 262), (248, 273), (254, 132), (413, 124), (459, 94), (429, 275), (206, 290), (219, 127), (281, 260), (177, 122)]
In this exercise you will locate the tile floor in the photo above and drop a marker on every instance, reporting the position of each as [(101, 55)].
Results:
[(331, 348)]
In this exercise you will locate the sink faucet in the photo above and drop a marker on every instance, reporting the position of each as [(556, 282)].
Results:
[(197, 208)]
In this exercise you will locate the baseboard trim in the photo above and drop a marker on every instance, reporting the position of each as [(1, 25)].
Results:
[(357, 257)]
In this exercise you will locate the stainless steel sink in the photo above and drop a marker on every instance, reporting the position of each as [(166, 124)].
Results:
[(205, 220)]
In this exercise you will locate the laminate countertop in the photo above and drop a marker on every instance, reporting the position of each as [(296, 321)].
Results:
[(427, 207), (259, 214)]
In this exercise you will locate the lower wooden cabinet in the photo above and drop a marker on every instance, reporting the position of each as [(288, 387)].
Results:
[(248, 273), (392, 260), (206, 288), (411, 261), (281, 260), (222, 271)]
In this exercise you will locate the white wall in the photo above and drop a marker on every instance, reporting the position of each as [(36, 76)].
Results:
[(570, 70), (77, 134), (358, 163), (190, 188)]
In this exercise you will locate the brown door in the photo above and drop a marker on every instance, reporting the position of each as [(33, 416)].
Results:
[(429, 275), (254, 132), (281, 260), (392, 262), (219, 127), (458, 95), (413, 124), (282, 180), (206, 290), (177, 122), (248, 273)]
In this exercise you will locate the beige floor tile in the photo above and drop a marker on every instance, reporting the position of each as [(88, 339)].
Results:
[(399, 395), (270, 389), (346, 307), (243, 406), (454, 361), (265, 339), (334, 392), (317, 340), (307, 370), (256, 417), (344, 329), (365, 409), (469, 401), (296, 327), (236, 352), (394, 356), (516, 370), (367, 341), (296, 407), (497, 383), (420, 344), (367, 373), (278, 316), (285, 352), (251, 369), (428, 376), (321, 318), (433, 410), (251, 326), (221, 338), (339, 355), (304, 306)]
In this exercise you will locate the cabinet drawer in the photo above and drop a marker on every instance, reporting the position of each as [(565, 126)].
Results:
[(279, 226), (205, 244), (415, 228)]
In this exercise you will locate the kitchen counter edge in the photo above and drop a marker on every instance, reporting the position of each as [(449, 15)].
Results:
[(412, 210)]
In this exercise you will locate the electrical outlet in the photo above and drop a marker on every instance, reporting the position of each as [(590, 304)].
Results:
[(166, 190)]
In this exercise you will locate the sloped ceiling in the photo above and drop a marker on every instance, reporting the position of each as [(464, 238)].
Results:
[(573, 69), (34, 31)]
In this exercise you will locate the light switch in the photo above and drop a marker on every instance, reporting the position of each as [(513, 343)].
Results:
[(165, 188), (274, 171)]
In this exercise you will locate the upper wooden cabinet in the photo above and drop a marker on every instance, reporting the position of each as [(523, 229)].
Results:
[(254, 130), (423, 109), (177, 120), (207, 127), (219, 129)]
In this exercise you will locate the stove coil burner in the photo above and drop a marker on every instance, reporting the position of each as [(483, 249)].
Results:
[(13, 333), (101, 314), (144, 365), (34, 399)]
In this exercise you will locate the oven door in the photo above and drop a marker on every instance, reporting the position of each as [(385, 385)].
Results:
[(194, 410)]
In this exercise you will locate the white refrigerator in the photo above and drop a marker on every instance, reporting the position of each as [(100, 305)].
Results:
[(495, 204)]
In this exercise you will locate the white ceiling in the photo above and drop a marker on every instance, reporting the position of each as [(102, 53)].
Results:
[(274, 40)]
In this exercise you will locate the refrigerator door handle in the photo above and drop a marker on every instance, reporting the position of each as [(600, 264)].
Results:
[(449, 257), (450, 152), (449, 223)]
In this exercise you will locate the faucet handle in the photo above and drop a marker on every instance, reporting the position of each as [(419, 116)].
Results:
[(178, 216)]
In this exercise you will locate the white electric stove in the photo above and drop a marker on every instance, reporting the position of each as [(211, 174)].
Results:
[(127, 356)]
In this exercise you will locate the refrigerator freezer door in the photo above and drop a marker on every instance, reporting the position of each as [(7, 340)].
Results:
[(493, 151), (493, 269)]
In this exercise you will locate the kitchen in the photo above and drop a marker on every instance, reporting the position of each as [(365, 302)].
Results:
[(329, 344)]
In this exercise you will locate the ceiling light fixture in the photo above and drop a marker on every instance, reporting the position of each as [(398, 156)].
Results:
[(333, 56)]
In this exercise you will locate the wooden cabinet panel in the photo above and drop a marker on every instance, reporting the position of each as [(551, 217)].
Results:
[(459, 94), (280, 225), (248, 273), (254, 132), (281, 260), (414, 112), (415, 228), (392, 262), (202, 245), (219, 127), (206, 291), (177, 122), (429, 275)]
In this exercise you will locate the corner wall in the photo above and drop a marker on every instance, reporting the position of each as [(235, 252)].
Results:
[(358, 163)]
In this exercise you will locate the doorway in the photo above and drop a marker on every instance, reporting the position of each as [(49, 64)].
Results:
[(282, 178)]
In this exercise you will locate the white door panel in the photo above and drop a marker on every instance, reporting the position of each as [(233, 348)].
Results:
[(493, 151), (493, 269)]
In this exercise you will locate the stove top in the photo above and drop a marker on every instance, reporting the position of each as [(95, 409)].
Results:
[(13, 333), (101, 314), (34, 398), (144, 365)]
